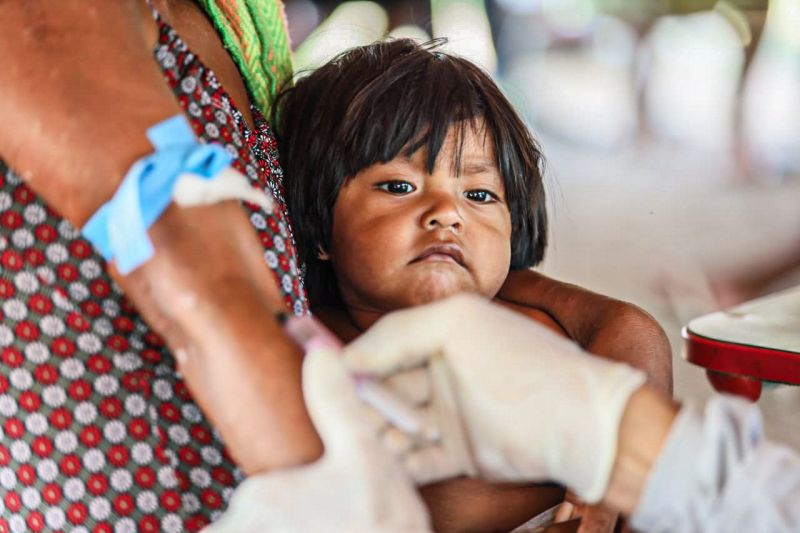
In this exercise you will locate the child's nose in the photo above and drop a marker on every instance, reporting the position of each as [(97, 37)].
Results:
[(443, 213)]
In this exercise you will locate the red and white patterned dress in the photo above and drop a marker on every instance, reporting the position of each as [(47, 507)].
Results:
[(98, 431)]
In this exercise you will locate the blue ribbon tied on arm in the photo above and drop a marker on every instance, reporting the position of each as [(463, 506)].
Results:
[(119, 228)]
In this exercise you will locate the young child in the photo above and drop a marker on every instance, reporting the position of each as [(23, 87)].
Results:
[(372, 138), (410, 177)]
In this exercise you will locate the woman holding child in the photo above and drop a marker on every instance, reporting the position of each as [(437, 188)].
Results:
[(100, 429)]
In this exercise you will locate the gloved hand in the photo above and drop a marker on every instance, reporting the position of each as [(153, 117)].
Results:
[(514, 401), (355, 487)]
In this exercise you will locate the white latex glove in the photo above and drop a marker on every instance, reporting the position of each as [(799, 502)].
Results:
[(356, 486), (514, 400)]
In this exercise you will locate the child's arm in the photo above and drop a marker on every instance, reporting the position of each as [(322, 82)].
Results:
[(601, 325), (595, 518)]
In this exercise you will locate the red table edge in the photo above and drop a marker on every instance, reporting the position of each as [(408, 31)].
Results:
[(741, 359)]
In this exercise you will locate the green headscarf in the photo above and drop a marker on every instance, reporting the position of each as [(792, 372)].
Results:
[(255, 34)]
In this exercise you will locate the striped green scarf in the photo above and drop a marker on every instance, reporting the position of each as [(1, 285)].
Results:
[(254, 32)]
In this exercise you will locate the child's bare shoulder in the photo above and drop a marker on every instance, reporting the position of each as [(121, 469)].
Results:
[(534, 314)]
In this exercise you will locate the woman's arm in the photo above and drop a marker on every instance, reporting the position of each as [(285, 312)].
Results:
[(80, 87), (601, 325)]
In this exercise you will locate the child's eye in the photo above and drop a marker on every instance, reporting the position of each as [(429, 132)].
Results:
[(396, 187), (481, 196)]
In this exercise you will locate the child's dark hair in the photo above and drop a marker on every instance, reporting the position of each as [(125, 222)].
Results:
[(372, 103)]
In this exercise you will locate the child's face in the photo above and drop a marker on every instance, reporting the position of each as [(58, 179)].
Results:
[(403, 237)]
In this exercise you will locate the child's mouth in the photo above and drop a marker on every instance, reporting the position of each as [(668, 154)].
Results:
[(442, 252)]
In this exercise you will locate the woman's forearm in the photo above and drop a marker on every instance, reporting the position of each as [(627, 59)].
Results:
[(210, 293), (80, 88)]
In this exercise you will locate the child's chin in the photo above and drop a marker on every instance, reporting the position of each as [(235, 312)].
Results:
[(438, 288)]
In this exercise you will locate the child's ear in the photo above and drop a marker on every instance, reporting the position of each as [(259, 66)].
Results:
[(322, 255)]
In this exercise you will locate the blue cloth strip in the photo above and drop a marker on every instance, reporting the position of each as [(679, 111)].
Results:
[(119, 228)]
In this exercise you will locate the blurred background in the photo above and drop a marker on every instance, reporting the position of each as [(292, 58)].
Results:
[(671, 130)]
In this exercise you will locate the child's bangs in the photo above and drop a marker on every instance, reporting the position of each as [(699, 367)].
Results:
[(413, 105)]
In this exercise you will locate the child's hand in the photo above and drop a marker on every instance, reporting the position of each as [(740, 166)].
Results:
[(594, 518), (597, 519), (572, 526)]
